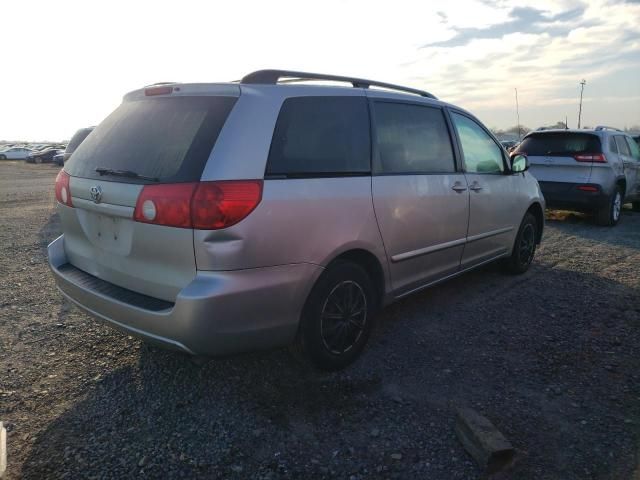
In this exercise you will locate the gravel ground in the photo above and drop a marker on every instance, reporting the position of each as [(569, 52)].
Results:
[(551, 357)]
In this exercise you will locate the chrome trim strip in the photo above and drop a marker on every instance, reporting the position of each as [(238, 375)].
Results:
[(452, 275), (423, 251), (489, 234), (453, 243), (104, 208)]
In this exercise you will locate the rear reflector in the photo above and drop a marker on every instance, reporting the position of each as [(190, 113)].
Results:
[(588, 188), (591, 157), (63, 194), (203, 205), (164, 90)]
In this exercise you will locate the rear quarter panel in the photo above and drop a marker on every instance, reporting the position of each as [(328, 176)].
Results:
[(298, 221)]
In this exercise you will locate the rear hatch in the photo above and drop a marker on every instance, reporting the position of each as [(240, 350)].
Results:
[(564, 158), (155, 138)]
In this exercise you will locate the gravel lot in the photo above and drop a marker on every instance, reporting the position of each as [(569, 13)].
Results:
[(551, 357)]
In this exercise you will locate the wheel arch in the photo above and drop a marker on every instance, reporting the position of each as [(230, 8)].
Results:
[(622, 183), (536, 210), (370, 263)]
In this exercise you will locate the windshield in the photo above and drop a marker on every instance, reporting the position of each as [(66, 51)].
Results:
[(165, 138), (560, 143)]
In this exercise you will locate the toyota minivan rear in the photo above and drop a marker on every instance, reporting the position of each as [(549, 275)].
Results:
[(114, 222), (130, 199)]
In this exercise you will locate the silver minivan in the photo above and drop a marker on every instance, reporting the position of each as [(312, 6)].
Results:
[(221, 218)]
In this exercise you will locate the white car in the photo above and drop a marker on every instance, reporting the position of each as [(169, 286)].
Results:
[(15, 153)]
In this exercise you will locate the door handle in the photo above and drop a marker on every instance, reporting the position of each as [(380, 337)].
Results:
[(458, 187), (475, 186)]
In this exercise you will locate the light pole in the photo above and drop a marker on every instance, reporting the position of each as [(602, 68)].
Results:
[(582, 84), (518, 115)]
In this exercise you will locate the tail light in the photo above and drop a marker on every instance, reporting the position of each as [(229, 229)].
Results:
[(222, 204), (203, 205), (63, 194), (591, 157), (168, 204), (588, 188)]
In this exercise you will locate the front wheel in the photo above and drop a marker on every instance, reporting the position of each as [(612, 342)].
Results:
[(3, 157), (609, 215), (524, 248), (337, 318), (38, 160)]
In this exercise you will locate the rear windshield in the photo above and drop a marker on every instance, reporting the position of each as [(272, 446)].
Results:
[(167, 138), (77, 139), (560, 143)]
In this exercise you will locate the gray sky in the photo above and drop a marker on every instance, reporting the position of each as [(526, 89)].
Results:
[(67, 63)]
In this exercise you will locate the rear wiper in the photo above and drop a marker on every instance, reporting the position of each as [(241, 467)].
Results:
[(124, 173)]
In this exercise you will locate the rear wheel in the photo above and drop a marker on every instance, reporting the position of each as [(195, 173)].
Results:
[(337, 318), (609, 215), (38, 160), (524, 248), (3, 157)]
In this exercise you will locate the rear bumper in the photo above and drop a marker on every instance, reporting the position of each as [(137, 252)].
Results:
[(218, 313), (569, 196)]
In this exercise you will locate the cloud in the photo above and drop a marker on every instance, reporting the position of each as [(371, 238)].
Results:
[(443, 17), (521, 20)]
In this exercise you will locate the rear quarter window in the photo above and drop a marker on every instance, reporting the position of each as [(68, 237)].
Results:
[(634, 148), (623, 148), (321, 136), (168, 138), (560, 143)]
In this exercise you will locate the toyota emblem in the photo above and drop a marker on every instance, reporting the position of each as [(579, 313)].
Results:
[(96, 193)]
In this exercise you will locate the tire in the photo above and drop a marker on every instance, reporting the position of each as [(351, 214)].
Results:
[(37, 160), (337, 318), (609, 215), (3, 157), (524, 248), (635, 206)]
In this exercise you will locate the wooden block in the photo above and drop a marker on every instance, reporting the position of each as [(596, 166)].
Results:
[(483, 441), (3, 449)]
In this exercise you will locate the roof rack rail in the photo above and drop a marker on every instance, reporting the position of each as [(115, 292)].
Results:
[(271, 77), (604, 127)]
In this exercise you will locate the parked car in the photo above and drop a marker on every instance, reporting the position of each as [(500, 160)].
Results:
[(509, 144), (42, 156), (58, 158), (76, 140), (15, 153), (312, 207), (586, 170)]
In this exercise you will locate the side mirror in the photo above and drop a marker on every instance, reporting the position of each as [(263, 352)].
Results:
[(519, 163)]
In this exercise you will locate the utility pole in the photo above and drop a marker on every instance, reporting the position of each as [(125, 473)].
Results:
[(582, 84), (518, 115)]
